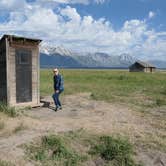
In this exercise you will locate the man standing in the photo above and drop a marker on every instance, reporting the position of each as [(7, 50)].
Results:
[(58, 89)]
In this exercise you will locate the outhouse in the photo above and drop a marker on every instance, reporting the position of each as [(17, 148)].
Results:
[(19, 71)]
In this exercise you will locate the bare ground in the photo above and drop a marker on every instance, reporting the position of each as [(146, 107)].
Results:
[(147, 133)]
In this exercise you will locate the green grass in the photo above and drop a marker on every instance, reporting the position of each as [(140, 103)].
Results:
[(146, 90), (10, 111), (54, 150), (116, 151), (5, 163), (76, 148)]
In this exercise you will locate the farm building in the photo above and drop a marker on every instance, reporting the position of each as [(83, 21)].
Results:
[(140, 66), (19, 71)]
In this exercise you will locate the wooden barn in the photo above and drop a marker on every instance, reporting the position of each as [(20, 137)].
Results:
[(19, 71), (140, 66)]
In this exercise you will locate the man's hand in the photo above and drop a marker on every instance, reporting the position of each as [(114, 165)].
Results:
[(57, 91)]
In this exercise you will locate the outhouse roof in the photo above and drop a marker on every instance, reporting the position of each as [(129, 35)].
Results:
[(20, 37)]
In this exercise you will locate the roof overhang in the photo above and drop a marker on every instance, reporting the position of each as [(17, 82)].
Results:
[(13, 38)]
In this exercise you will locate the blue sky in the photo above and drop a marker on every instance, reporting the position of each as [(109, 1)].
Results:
[(118, 11), (137, 27)]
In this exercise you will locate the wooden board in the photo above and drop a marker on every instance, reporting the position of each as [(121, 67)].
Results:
[(23, 75)]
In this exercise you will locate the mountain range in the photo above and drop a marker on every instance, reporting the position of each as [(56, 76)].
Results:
[(64, 58)]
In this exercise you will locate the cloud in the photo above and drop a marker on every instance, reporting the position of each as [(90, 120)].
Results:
[(17, 5), (85, 2), (12, 5), (71, 13), (100, 1), (67, 27), (151, 14)]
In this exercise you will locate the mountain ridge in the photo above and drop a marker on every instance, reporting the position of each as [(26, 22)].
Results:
[(59, 56)]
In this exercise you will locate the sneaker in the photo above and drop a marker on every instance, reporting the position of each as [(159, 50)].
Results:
[(56, 109)]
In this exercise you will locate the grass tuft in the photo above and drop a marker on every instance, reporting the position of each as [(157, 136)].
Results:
[(54, 149), (5, 163), (117, 151), (2, 125), (19, 128), (160, 102), (10, 111)]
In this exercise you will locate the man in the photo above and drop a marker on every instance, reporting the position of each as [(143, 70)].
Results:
[(58, 88)]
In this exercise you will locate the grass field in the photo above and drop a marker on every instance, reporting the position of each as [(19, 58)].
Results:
[(125, 130), (142, 90)]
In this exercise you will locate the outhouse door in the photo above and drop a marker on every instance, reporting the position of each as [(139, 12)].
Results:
[(23, 75)]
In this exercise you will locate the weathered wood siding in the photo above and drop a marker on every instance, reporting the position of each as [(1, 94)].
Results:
[(136, 68), (13, 47), (3, 83), (23, 58), (149, 69)]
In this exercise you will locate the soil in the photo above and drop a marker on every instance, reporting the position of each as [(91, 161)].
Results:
[(81, 112)]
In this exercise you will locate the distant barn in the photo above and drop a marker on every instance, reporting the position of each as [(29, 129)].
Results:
[(140, 66), (19, 71)]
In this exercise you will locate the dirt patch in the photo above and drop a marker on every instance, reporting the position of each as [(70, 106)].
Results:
[(79, 111)]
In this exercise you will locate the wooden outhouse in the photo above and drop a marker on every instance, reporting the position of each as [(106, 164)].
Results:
[(140, 66), (19, 71)]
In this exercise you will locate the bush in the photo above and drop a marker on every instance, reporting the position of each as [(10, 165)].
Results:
[(53, 149), (10, 111), (116, 151), (160, 102)]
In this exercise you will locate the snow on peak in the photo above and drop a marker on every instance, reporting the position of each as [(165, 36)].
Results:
[(50, 50)]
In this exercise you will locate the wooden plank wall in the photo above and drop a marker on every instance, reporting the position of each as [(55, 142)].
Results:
[(12, 73), (3, 82)]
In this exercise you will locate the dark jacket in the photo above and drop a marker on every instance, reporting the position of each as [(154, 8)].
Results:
[(57, 82)]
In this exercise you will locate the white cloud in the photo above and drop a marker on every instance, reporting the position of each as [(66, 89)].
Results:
[(151, 14), (85, 2), (12, 4), (17, 5), (66, 27), (100, 1), (71, 13)]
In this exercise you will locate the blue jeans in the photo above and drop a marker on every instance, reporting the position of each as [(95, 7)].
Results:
[(55, 97)]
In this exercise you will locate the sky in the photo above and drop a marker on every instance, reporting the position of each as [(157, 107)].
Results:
[(136, 27)]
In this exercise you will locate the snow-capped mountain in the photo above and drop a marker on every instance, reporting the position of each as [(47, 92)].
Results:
[(62, 57), (51, 50)]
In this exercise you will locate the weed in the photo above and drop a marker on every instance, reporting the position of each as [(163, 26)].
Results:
[(20, 127), (5, 163), (117, 151), (2, 125), (160, 102), (10, 111), (53, 148)]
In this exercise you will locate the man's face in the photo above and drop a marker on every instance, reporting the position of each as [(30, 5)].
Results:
[(55, 71)]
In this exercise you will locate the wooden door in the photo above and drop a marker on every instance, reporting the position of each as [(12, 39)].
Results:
[(23, 75)]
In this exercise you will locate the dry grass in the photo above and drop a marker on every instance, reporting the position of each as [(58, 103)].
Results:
[(2, 125), (19, 127)]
